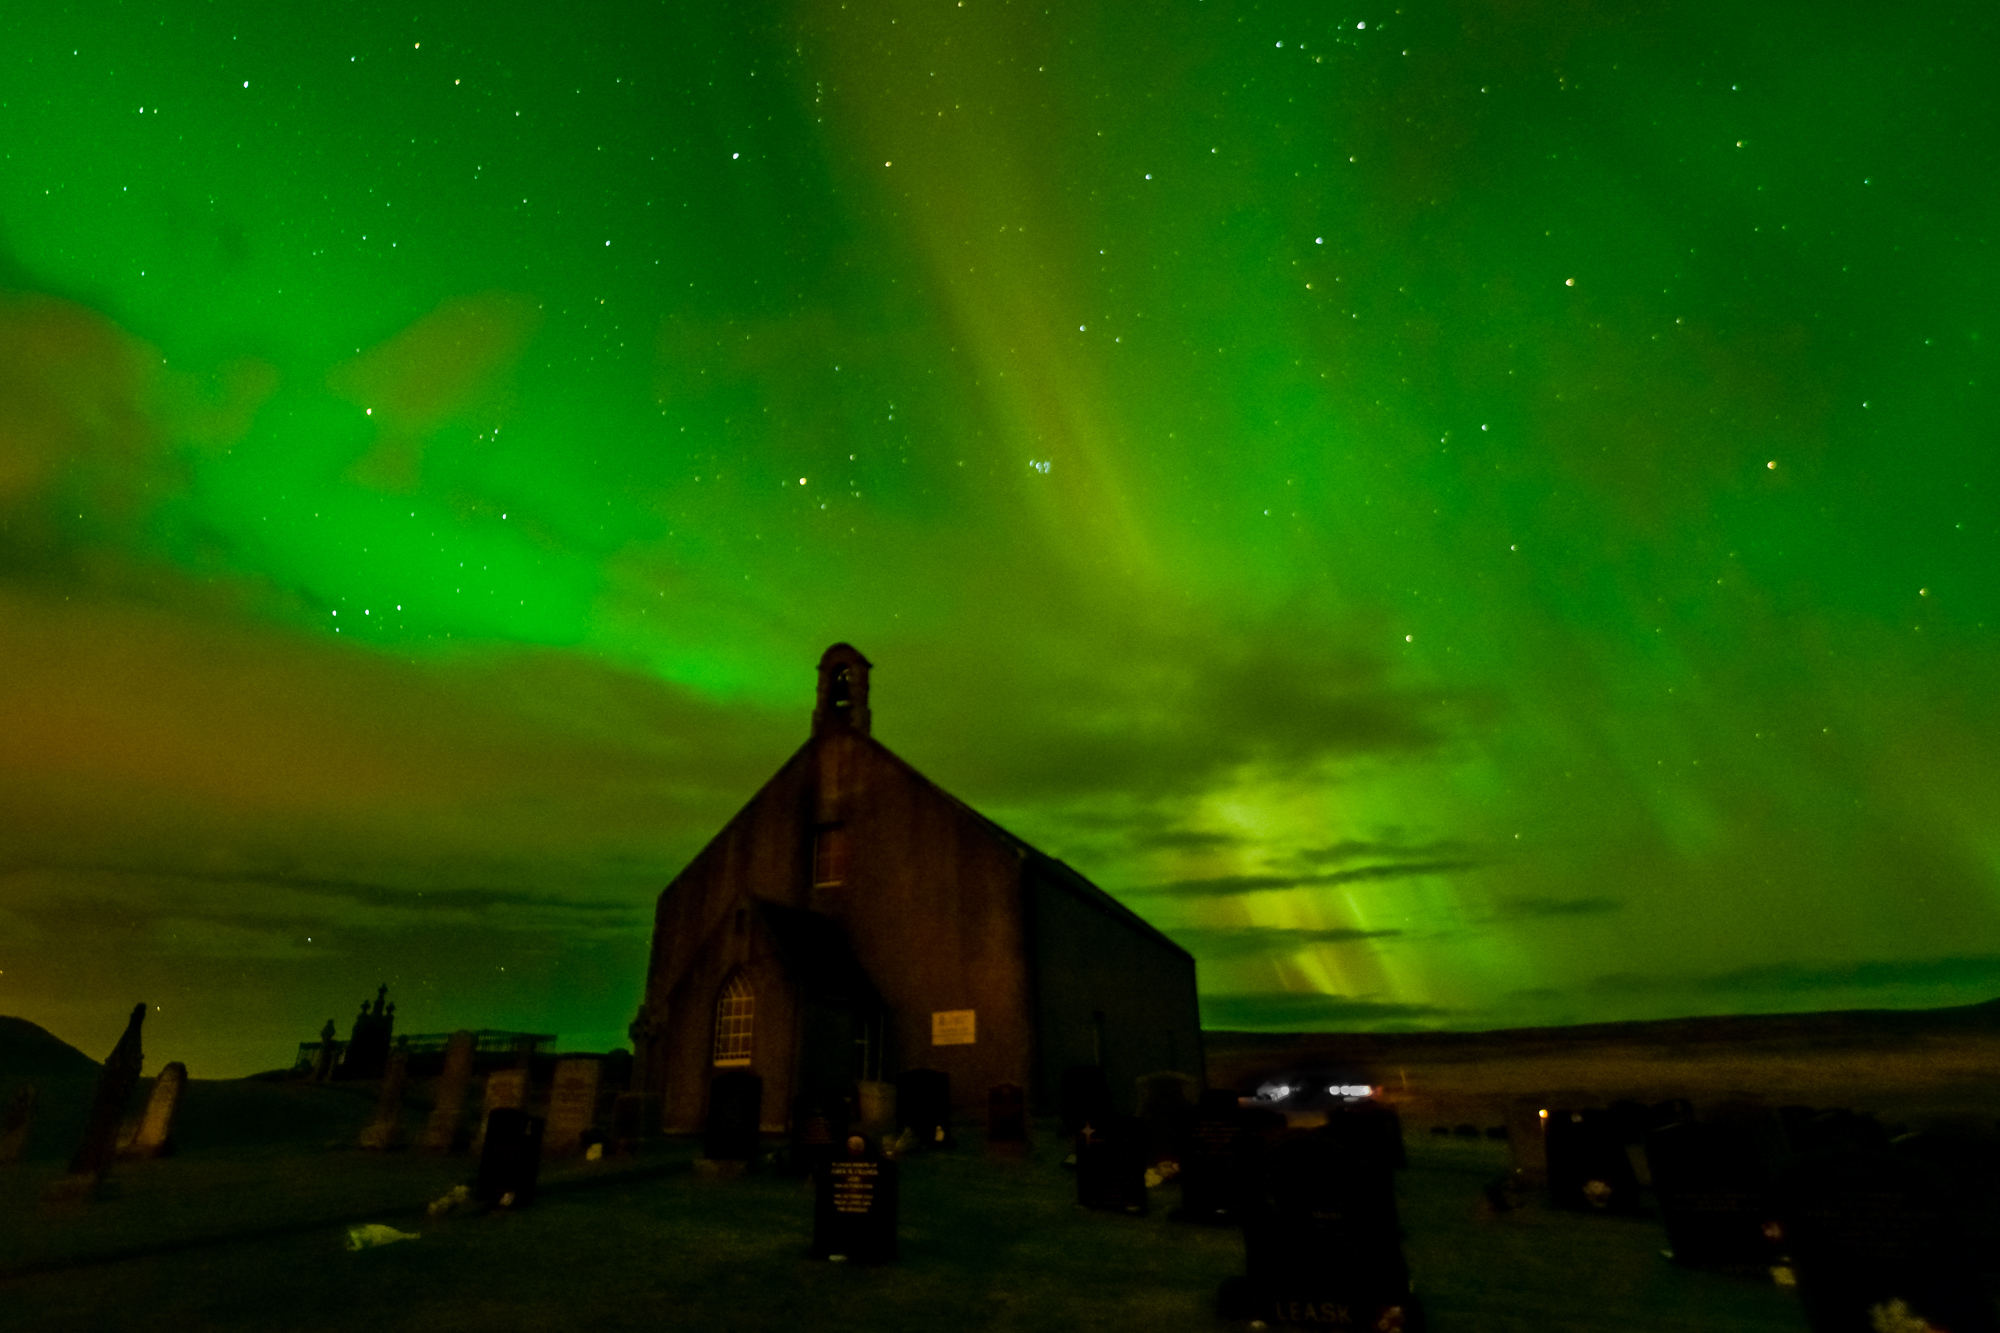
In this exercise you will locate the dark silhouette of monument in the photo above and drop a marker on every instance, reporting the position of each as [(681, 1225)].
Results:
[(855, 922), (107, 1104), (367, 1053)]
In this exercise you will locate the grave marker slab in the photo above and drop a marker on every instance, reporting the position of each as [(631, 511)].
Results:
[(735, 1111), (445, 1131), (155, 1136), (855, 1206), (1714, 1195), (1166, 1102), (1588, 1168), (628, 1121), (1321, 1242), (572, 1105), (1216, 1164), (385, 1131), (1111, 1165), (107, 1103), (1874, 1246), (506, 1089), (14, 1129), (1007, 1114), (510, 1158), (1085, 1096), (819, 1125)]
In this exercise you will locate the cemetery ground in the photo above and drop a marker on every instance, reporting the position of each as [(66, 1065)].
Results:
[(246, 1227)]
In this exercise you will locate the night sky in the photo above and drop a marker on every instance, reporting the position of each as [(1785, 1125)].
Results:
[(1465, 515)]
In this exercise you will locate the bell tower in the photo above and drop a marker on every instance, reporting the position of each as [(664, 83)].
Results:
[(843, 692)]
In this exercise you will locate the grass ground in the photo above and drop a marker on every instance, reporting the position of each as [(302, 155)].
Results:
[(647, 1243)]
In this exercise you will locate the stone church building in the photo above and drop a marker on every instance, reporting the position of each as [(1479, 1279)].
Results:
[(855, 921)]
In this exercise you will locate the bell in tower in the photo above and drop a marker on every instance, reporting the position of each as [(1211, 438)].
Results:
[(843, 692)]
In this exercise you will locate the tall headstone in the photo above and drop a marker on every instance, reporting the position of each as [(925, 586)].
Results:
[(1321, 1242), (875, 1107), (14, 1128), (855, 1206), (1217, 1164), (510, 1158), (386, 1129), (735, 1111), (923, 1105), (1874, 1245), (155, 1137), (1085, 1095), (819, 1125), (506, 1089), (1714, 1195), (1588, 1168), (1111, 1164), (1007, 1114), (323, 1059), (1166, 1102), (572, 1105), (107, 1104), (445, 1132)]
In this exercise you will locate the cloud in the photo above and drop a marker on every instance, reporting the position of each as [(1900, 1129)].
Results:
[(1535, 908), (1212, 944), (1964, 973), (1223, 886), (1352, 849), (1313, 1013)]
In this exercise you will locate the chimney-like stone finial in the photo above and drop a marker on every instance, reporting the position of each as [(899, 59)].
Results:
[(843, 692)]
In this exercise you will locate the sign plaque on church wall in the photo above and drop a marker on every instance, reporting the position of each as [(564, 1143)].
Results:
[(952, 1027)]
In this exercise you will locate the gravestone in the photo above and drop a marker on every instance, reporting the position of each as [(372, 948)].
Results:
[(1369, 1128), (735, 1110), (875, 1107), (1007, 1114), (445, 1132), (819, 1123), (855, 1205), (1216, 1164), (1111, 1164), (1714, 1195), (572, 1105), (155, 1136), (1321, 1241), (323, 1058), (506, 1089), (1085, 1096), (1874, 1246), (1588, 1168), (510, 1158), (628, 1122), (923, 1105), (107, 1103), (14, 1129), (385, 1131), (1166, 1102)]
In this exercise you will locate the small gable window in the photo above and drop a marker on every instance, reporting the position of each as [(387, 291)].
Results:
[(829, 856), (732, 1023)]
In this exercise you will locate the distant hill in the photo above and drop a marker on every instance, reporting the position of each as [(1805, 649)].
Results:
[(1826, 1029), (30, 1051)]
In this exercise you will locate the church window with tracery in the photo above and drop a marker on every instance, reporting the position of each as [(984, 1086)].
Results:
[(732, 1023)]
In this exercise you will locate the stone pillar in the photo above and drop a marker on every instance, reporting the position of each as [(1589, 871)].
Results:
[(506, 1090), (107, 1105), (156, 1130), (445, 1132)]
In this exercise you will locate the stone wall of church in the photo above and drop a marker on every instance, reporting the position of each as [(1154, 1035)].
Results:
[(1106, 992)]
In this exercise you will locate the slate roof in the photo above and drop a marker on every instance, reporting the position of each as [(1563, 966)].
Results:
[(1060, 872)]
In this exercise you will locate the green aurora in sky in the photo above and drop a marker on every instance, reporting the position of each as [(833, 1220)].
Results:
[(1465, 515)]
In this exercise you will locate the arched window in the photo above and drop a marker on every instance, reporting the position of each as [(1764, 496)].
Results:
[(732, 1023)]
